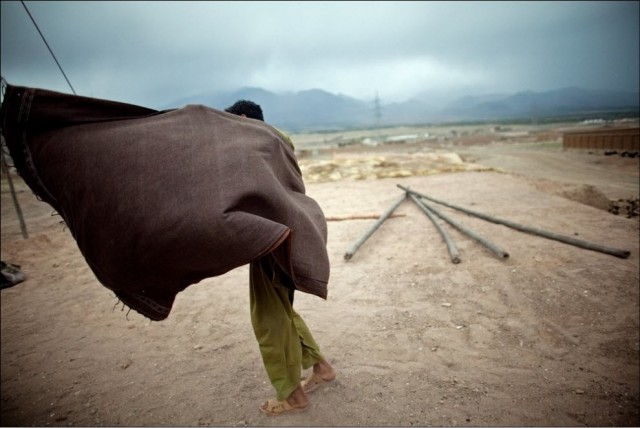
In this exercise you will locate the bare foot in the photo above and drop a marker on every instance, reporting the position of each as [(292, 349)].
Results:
[(322, 373), (296, 402), (324, 370), (298, 398)]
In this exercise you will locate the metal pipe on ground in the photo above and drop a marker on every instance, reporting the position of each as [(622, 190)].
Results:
[(451, 246), (358, 243), (490, 245), (528, 229)]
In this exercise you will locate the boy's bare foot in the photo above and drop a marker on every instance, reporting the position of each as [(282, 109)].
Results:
[(323, 372), (296, 402)]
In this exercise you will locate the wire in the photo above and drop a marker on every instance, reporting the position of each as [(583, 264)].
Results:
[(45, 42)]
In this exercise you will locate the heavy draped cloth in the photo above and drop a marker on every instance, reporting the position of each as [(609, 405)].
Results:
[(160, 200)]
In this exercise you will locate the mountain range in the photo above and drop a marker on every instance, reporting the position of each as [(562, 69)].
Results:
[(319, 110)]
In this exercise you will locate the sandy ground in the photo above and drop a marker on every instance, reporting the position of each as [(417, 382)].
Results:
[(546, 337)]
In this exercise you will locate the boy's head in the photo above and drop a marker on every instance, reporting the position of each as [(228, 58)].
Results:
[(246, 108)]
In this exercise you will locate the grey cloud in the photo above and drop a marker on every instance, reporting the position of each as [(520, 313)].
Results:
[(150, 52)]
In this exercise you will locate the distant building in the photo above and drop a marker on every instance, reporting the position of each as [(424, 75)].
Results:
[(618, 139)]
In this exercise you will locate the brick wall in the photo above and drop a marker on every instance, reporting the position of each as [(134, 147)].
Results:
[(622, 139)]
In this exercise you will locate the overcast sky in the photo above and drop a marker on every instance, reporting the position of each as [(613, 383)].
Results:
[(153, 52)]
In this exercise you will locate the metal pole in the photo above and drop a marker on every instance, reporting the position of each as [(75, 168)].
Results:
[(354, 247), (533, 230), (451, 246), (490, 245), (23, 227)]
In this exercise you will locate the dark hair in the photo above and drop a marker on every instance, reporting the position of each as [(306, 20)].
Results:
[(248, 108)]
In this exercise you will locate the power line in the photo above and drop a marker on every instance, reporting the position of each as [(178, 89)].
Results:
[(45, 42), (376, 112)]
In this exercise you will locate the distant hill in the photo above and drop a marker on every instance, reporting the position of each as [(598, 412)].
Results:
[(318, 110)]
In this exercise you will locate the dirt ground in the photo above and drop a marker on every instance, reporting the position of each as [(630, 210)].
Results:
[(546, 337)]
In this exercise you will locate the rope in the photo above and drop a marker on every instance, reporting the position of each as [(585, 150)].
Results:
[(45, 42)]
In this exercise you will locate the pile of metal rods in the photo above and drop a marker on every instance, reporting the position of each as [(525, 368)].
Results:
[(434, 214)]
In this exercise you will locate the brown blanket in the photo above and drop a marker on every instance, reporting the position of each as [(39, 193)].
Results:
[(159, 200)]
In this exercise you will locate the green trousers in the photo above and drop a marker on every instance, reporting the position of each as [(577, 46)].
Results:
[(285, 342)]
